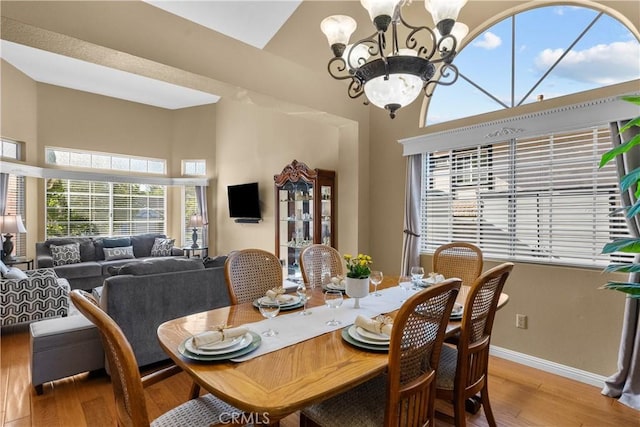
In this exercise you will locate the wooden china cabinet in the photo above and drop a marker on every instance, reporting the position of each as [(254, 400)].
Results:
[(305, 212)]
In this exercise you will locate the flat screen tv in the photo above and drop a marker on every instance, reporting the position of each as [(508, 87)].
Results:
[(244, 202)]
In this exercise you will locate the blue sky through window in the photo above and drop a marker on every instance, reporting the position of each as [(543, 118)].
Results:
[(608, 53)]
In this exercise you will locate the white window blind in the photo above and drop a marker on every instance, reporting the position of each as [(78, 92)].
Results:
[(76, 208), (539, 199)]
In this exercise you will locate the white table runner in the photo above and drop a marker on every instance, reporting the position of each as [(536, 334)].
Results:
[(293, 328)]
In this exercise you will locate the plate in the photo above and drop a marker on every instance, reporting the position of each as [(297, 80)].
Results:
[(285, 307), (255, 343), (360, 344), (333, 287), (456, 311), (353, 333), (372, 335), (227, 346), (267, 300)]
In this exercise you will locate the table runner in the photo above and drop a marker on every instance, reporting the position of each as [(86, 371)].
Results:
[(293, 328)]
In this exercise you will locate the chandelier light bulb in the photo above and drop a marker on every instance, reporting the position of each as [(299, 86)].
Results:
[(338, 29), (354, 57)]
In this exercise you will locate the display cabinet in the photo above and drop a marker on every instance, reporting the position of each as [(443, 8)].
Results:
[(305, 213)]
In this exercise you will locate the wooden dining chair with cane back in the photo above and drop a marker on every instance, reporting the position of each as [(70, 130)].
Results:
[(463, 369), (405, 394), (458, 259), (250, 273), (128, 386), (319, 263)]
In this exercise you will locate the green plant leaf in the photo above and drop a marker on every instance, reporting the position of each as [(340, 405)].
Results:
[(634, 210), (620, 149), (630, 179), (630, 124), (622, 268), (632, 289), (622, 245), (634, 99)]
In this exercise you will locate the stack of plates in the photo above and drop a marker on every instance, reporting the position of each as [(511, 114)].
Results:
[(359, 337), (333, 287), (290, 305), (456, 312), (222, 350)]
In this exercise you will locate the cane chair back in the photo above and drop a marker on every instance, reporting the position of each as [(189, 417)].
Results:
[(250, 273), (414, 351), (458, 259), (319, 263), (128, 388), (463, 370)]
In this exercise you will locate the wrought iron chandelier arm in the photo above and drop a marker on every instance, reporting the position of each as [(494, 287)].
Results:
[(412, 39), (448, 72), (337, 69)]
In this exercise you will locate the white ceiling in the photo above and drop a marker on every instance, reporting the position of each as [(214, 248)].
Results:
[(252, 22)]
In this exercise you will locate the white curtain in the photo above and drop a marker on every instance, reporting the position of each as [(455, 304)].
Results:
[(4, 191), (625, 384), (411, 236), (201, 199)]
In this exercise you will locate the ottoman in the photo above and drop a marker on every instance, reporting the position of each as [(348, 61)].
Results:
[(62, 347)]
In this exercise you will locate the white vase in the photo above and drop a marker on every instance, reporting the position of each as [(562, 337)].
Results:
[(356, 289)]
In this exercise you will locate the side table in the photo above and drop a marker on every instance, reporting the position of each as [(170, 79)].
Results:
[(202, 251), (19, 260)]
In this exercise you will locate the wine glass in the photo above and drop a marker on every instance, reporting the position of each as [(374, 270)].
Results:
[(417, 273), (333, 299), (376, 278), (269, 309), (405, 284), (303, 293)]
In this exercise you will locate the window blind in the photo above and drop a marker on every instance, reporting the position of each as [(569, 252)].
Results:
[(539, 199)]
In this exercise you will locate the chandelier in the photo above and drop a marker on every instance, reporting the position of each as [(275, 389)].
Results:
[(389, 75)]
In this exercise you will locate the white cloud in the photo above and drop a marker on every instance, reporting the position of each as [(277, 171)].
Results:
[(603, 64), (488, 41)]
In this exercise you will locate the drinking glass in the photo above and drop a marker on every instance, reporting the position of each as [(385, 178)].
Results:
[(269, 309), (304, 294), (417, 273), (333, 299), (405, 284), (376, 278)]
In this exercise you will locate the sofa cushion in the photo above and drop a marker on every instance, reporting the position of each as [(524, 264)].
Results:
[(121, 252), (116, 242), (87, 249), (157, 266), (65, 254), (142, 244), (162, 247), (77, 271)]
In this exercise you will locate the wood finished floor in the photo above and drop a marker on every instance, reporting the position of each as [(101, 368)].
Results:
[(520, 396)]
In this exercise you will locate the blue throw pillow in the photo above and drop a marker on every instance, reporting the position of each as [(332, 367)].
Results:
[(116, 242)]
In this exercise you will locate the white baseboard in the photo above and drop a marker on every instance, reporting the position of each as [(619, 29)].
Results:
[(548, 366)]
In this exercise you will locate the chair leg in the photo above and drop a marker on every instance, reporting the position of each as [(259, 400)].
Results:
[(472, 404), (306, 422), (194, 393), (486, 405), (459, 415)]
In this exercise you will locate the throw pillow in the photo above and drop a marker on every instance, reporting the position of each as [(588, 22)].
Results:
[(162, 247), (15, 273), (3, 269), (65, 254), (116, 242), (118, 253)]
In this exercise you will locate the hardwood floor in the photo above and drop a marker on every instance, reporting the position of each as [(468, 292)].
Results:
[(520, 396)]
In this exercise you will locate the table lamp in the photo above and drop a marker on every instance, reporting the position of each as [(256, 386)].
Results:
[(10, 224), (195, 221)]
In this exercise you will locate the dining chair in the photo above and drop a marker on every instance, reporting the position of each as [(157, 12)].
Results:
[(405, 394), (463, 369), (458, 259), (128, 386), (250, 273), (319, 263)]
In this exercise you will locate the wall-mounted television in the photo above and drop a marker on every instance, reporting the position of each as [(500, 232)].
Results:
[(244, 202)]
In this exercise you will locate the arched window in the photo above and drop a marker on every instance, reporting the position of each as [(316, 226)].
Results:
[(545, 53)]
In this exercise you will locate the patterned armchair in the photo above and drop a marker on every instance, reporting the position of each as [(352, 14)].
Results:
[(41, 295)]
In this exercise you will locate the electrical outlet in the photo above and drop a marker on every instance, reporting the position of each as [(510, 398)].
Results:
[(521, 321)]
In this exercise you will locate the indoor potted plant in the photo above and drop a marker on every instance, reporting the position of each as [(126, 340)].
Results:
[(357, 280), (630, 245)]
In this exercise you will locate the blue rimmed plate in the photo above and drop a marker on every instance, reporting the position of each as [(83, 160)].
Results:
[(360, 344), (255, 343)]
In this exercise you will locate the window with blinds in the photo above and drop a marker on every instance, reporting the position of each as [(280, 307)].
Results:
[(535, 200), (91, 208), (16, 206)]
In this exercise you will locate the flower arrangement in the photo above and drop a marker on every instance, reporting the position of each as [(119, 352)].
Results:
[(358, 267)]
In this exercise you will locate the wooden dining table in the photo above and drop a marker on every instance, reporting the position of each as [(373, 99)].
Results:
[(277, 384)]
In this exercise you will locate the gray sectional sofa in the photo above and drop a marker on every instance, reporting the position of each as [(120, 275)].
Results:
[(93, 268)]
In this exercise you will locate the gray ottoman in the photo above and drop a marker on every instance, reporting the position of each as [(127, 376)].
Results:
[(62, 347)]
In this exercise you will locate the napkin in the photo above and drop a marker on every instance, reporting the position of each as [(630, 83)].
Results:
[(379, 325), (277, 294), (220, 334), (435, 278), (338, 281)]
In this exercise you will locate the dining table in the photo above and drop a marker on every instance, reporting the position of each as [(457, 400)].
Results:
[(305, 363)]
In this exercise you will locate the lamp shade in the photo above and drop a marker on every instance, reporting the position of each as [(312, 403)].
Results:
[(379, 7), (354, 57), (441, 10), (195, 221), (459, 31), (12, 224), (338, 29)]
